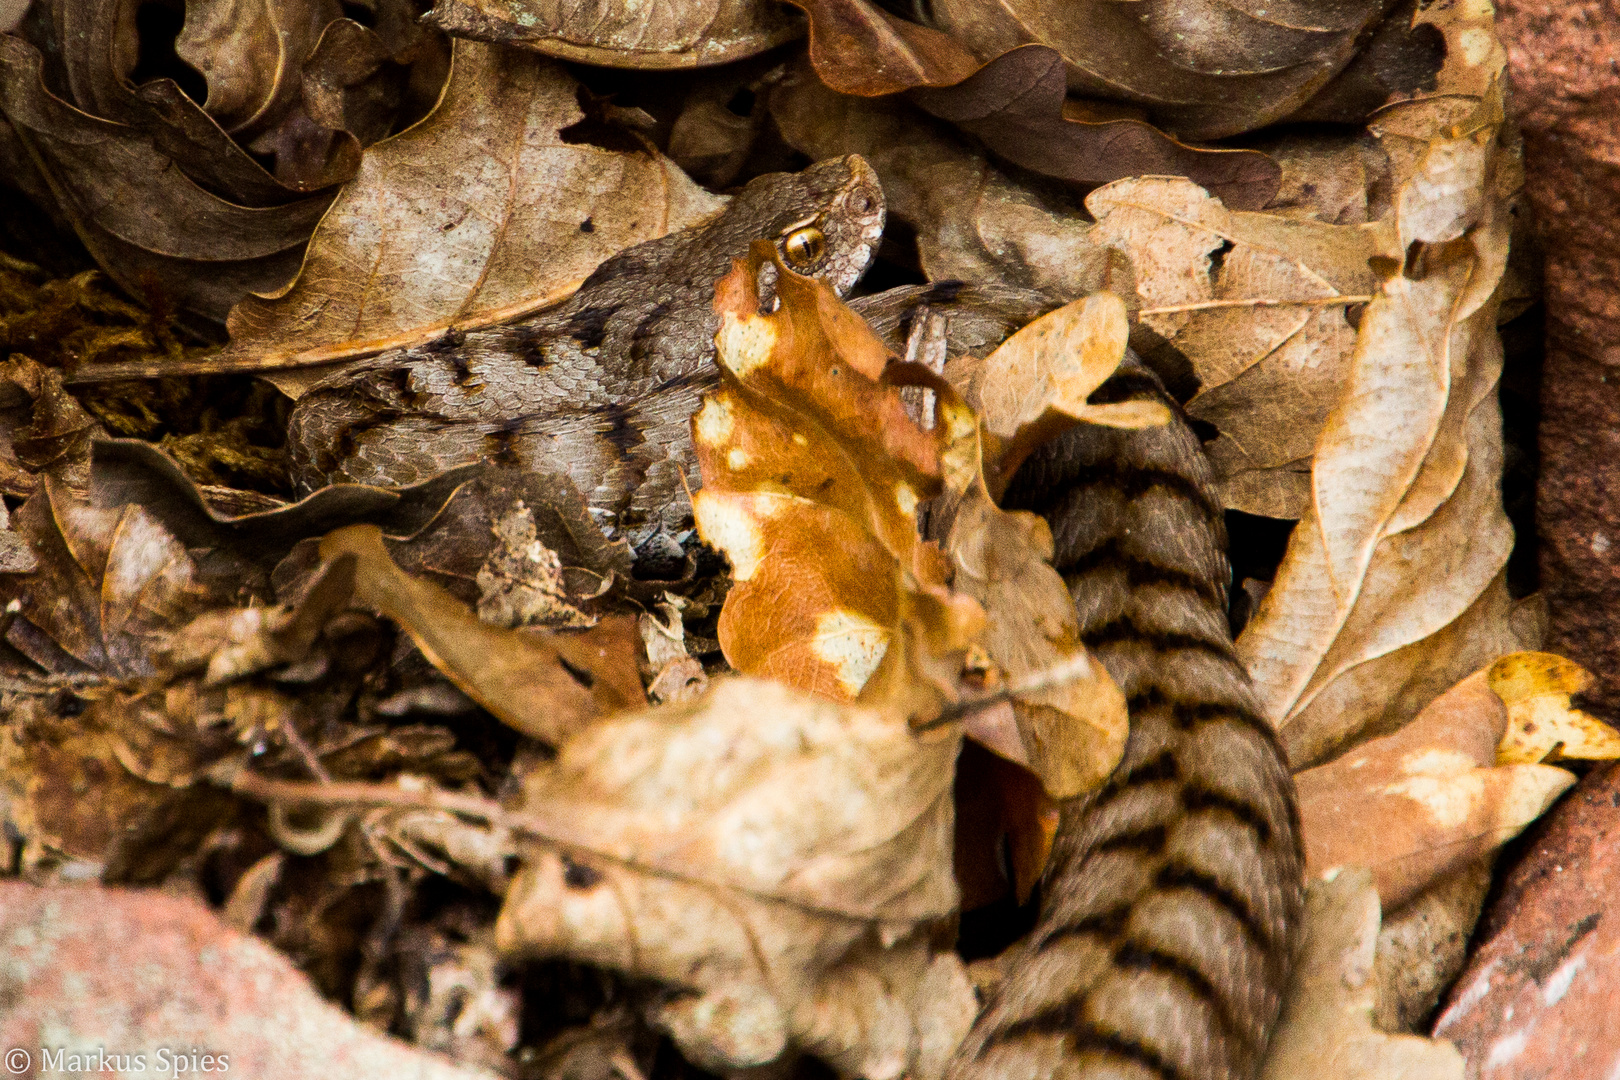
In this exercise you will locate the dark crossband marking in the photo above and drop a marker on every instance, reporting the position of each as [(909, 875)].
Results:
[(1133, 957), (1149, 565), (616, 427), (1198, 799), (1141, 571), (1108, 924), (1124, 629), (1149, 841), (1064, 1019), (1134, 483), (588, 326), (1178, 875), (1188, 715), (1162, 766)]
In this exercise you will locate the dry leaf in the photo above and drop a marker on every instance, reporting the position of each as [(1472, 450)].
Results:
[(1015, 103), (54, 748), (1422, 947), (108, 587), (802, 451), (401, 258), (794, 462), (1326, 1025), (231, 643), (521, 582), (772, 852), (145, 222), (42, 428), (1542, 723), (129, 471), (271, 67), (1035, 385), (623, 34), (98, 43), (1266, 336), (526, 679), (1032, 388), (1204, 70), (1406, 530), (1425, 801)]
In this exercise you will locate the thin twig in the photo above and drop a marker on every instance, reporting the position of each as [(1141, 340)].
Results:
[(1067, 670), (560, 834), (1205, 305), (305, 753)]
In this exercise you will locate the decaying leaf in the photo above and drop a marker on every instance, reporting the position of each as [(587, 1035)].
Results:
[(1265, 328), (1425, 801), (521, 581), (1326, 1026), (144, 221), (1015, 103), (130, 471), (527, 679), (106, 588), (1030, 389), (42, 428), (1406, 529), (806, 441), (54, 748), (266, 65), (1542, 722), (776, 854), (802, 449), (401, 259), (1422, 947), (1203, 70), (1036, 384), (621, 33)]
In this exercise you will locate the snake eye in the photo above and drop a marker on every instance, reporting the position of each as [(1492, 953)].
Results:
[(804, 247)]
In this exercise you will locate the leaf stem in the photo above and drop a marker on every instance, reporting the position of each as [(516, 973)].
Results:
[(1255, 302)]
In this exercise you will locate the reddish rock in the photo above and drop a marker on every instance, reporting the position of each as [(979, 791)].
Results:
[(109, 974), (1537, 999), (1564, 70)]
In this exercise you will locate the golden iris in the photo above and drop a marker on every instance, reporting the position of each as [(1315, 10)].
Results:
[(804, 247)]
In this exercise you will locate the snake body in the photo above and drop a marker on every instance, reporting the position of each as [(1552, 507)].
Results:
[(1171, 901), (1167, 932)]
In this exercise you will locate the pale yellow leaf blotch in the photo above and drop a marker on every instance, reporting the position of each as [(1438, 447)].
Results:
[(1450, 788), (1132, 415), (715, 421), (852, 644), (728, 524), (744, 342), (1536, 688)]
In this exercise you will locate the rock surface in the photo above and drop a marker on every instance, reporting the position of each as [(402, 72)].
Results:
[(109, 974), (1536, 1001), (1565, 85)]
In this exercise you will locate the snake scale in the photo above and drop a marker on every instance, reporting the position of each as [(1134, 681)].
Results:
[(1170, 904)]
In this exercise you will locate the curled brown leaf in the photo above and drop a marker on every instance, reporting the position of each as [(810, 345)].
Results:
[(621, 33), (401, 258), (526, 679), (1014, 101)]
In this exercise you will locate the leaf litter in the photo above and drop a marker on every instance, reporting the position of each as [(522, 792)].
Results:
[(405, 735)]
